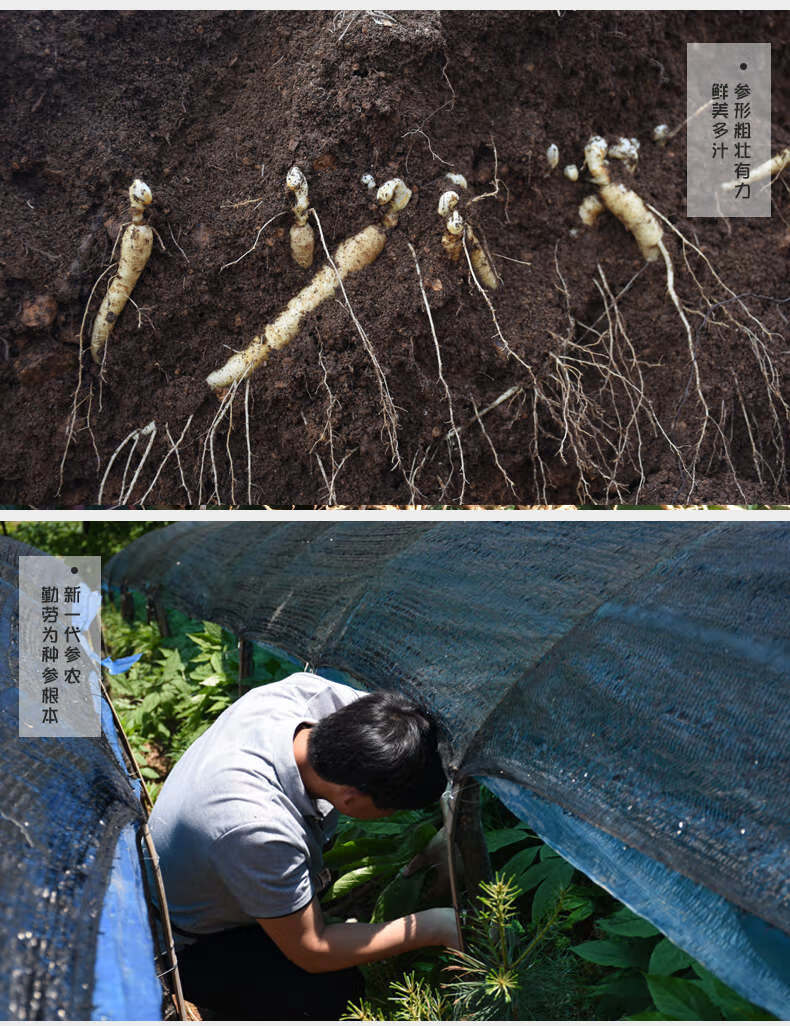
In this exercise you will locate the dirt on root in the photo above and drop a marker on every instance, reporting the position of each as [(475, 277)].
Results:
[(581, 338)]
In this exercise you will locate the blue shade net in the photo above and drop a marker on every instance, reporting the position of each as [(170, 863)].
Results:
[(75, 941), (624, 687)]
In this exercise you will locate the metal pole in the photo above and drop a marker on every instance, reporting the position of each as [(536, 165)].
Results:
[(471, 839), (161, 617), (127, 603), (245, 661), (450, 809)]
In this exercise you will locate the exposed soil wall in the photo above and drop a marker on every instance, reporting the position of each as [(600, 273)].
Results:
[(211, 109)]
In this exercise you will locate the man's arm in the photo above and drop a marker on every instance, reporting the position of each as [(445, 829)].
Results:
[(316, 947)]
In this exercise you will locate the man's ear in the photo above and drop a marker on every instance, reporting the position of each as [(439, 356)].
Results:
[(348, 799)]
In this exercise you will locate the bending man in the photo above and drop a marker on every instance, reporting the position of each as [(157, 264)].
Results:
[(240, 825)]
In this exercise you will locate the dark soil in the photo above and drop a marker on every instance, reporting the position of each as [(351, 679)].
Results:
[(211, 109)]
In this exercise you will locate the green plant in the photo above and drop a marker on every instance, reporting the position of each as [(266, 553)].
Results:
[(378, 850), (180, 685), (490, 973), (174, 692), (485, 980), (649, 977), (549, 945), (410, 1000)]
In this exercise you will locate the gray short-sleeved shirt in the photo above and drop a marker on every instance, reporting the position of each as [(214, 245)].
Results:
[(238, 836)]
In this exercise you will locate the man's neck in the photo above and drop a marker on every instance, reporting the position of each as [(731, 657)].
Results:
[(313, 784)]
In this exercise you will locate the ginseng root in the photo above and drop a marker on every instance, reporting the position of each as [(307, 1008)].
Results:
[(136, 246), (302, 236), (352, 255), (456, 230), (768, 169), (624, 203)]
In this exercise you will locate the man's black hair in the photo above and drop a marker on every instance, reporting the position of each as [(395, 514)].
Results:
[(384, 745)]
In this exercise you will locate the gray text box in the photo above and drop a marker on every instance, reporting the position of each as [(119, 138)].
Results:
[(729, 129), (59, 646)]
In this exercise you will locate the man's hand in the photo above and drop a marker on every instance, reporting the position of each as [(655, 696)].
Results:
[(307, 941), (445, 926)]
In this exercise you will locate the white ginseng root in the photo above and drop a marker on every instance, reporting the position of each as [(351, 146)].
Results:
[(352, 255), (626, 150), (452, 240), (590, 209), (456, 179), (302, 237), (767, 169), (456, 230), (624, 203), (393, 196), (136, 245)]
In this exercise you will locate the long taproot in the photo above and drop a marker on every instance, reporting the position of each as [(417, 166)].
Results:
[(352, 255)]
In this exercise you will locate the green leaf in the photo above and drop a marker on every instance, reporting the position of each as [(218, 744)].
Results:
[(149, 773), (648, 1014), (576, 907), (622, 953), (414, 841), (150, 702), (213, 631), (384, 828), (676, 998), (541, 871), (619, 980), (623, 992), (199, 640), (171, 664), (349, 881), (398, 898), (518, 867), (667, 959), (625, 923), (558, 877), (728, 1001), (496, 839), (352, 851)]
